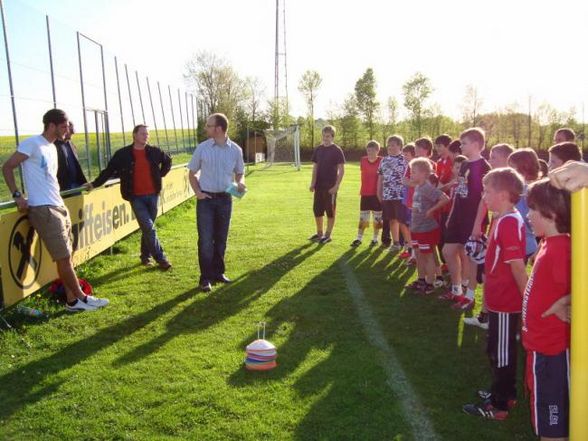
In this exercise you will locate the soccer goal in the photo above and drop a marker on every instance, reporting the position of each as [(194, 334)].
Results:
[(283, 146)]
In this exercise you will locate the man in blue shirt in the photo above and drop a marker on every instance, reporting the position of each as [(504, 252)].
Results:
[(215, 165), (69, 171)]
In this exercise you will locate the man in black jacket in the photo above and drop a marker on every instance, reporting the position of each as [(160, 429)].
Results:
[(140, 168), (69, 171)]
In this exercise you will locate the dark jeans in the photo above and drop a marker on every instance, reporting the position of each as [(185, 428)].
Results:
[(145, 209), (213, 217)]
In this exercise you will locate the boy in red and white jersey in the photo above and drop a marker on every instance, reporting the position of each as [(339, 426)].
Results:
[(369, 202), (545, 316), (505, 281)]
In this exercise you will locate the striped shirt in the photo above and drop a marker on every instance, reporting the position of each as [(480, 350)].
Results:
[(216, 164)]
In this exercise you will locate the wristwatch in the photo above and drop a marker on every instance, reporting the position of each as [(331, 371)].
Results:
[(17, 194)]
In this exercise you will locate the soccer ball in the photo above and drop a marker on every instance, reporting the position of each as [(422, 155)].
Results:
[(476, 249)]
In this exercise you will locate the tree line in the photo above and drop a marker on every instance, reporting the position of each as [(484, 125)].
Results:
[(363, 115)]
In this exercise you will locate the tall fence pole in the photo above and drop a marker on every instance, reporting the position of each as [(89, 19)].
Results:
[(181, 119), (122, 120), (51, 62), (152, 110), (88, 158), (130, 96), (12, 99), (163, 116), (106, 117), (194, 122), (171, 103), (140, 97), (579, 346)]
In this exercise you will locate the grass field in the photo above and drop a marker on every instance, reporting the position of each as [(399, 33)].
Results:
[(359, 359)]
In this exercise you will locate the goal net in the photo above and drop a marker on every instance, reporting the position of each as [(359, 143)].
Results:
[(283, 146)]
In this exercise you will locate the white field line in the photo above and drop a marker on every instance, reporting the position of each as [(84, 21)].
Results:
[(415, 414)]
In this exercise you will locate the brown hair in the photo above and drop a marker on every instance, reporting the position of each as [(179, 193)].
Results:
[(423, 164), (568, 134), (444, 140), (329, 129), (397, 139), (459, 159), (54, 116), (526, 162), (455, 147), (409, 148), (425, 143), (504, 149), (543, 167), (506, 179), (137, 128), (373, 144), (221, 120), (566, 151), (475, 134), (551, 203)]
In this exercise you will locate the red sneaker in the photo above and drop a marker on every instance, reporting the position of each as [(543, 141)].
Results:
[(448, 296), (405, 254), (464, 303)]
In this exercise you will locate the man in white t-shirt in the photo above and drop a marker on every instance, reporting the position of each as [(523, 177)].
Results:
[(45, 208)]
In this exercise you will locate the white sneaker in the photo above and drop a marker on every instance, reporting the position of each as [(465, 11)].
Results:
[(438, 283), (80, 307), (473, 321), (96, 302)]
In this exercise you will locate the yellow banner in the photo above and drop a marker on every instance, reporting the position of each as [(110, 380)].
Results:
[(99, 219)]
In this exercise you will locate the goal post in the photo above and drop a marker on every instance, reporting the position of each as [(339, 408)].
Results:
[(283, 146)]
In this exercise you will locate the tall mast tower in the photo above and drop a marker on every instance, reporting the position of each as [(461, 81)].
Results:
[(280, 52)]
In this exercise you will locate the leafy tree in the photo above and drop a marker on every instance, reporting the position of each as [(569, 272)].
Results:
[(309, 84), (366, 102), (416, 91)]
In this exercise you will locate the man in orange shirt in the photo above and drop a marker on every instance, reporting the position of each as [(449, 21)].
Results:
[(140, 168)]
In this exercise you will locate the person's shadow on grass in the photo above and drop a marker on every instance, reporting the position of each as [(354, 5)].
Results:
[(224, 302)]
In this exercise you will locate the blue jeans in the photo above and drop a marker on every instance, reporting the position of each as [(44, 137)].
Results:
[(213, 217), (145, 209)]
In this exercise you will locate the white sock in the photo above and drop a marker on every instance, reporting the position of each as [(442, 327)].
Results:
[(456, 289), (359, 235), (470, 294), (376, 235)]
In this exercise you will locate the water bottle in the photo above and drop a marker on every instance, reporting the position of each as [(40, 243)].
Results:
[(31, 312)]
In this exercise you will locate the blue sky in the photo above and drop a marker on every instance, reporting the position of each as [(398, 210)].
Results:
[(509, 50)]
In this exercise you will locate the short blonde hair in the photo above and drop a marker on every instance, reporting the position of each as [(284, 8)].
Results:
[(506, 179), (504, 149), (475, 134), (397, 139), (329, 129), (422, 164)]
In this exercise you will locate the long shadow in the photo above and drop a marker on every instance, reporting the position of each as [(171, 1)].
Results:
[(225, 302), (20, 390)]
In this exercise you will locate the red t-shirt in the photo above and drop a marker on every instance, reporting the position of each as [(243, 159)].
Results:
[(550, 280), (444, 170), (506, 243), (369, 176), (142, 179)]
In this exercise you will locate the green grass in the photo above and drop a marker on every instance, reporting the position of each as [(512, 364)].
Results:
[(165, 361)]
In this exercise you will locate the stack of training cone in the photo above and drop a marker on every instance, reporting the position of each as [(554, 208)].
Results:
[(260, 354)]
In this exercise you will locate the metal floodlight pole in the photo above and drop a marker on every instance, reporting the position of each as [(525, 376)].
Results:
[(11, 85), (51, 62), (140, 97), (163, 115), (171, 103), (187, 116), (130, 96), (181, 119), (89, 160), (122, 120), (152, 110), (194, 119), (105, 116)]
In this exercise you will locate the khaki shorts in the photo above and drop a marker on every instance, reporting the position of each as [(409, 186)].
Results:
[(53, 226)]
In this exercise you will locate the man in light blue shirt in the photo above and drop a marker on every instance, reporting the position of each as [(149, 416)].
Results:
[(215, 165)]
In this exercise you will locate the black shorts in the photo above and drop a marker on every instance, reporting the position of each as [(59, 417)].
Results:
[(547, 380), (370, 203), (394, 210), (324, 202), (458, 230)]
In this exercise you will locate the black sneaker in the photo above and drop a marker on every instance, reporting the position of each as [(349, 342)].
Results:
[(426, 288), (356, 243), (325, 239), (486, 396), (315, 237), (416, 285), (486, 410)]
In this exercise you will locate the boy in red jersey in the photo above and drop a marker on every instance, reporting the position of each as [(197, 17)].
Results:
[(369, 202), (445, 162), (546, 337), (503, 290)]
